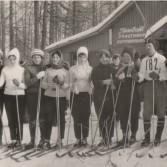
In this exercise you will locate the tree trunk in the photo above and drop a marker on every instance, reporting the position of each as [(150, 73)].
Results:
[(44, 29), (36, 24), (74, 8), (11, 25), (94, 11), (3, 27), (51, 28)]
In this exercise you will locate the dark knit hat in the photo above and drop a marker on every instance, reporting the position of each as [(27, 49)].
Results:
[(153, 41), (57, 52), (105, 52), (130, 50)]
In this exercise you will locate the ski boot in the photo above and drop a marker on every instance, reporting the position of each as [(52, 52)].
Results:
[(78, 143), (132, 139), (145, 142), (30, 145), (58, 143), (157, 141), (84, 142), (41, 144), (46, 145)]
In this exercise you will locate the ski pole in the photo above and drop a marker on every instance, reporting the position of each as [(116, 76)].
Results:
[(18, 117), (114, 112), (130, 111), (71, 107), (101, 109), (3, 129), (58, 115), (153, 115), (91, 119), (37, 115)]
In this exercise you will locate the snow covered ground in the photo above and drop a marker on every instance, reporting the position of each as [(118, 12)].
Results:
[(119, 158)]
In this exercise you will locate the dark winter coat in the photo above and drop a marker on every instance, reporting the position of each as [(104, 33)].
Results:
[(31, 81)]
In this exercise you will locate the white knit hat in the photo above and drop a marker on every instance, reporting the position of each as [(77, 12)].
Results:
[(84, 50), (14, 52), (37, 52)]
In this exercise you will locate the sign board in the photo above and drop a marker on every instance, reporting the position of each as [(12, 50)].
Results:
[(130, 35)]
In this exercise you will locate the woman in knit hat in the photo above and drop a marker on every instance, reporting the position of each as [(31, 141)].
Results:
[(56, 84), (80, 89), (13, 77), (101, 78), (34, 72), (125, 75)]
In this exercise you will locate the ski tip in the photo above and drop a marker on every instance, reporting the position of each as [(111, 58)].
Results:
[(150, 156), (162, 156)]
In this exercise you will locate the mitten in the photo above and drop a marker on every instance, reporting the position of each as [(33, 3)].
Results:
[(154, 75)]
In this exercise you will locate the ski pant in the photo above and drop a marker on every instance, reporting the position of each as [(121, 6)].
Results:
[(32, 103), (104, 113), (81, 114), (1, 112), (12, 115), (159, 106), (159, 99), (123, 108), (50, 112)]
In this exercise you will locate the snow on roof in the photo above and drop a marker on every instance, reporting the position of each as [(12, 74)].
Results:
[(156, 26), (89, 32)]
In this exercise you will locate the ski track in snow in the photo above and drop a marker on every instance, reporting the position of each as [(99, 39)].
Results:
[(119, 157)]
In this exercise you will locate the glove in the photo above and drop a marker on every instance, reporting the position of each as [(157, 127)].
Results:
[(40, 74), (135, 77), (60, 80), (16, 82), (107, 82), (154, 75), (121, 76), (57, 81)]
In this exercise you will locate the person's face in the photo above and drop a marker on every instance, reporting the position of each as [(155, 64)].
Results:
[(37, 59), (82, 58), (55, 59), (12, 60), (116, 61), (138, 62), (126, 58), (104, 59), (150, 49)]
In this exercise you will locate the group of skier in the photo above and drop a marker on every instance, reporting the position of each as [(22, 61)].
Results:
[(118, 89)]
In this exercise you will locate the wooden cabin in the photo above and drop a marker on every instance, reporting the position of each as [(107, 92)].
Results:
[(129, 24)]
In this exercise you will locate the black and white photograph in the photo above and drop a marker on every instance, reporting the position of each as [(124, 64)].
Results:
[(83, 83)]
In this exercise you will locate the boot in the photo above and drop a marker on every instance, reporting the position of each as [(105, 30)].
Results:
[(84, 142), (102, 143), (46, 145), (30, 145), (1, 144), (160, 127), (78, 143), (57, 145), (132, 138), (41, 144), (122, 142), (147, 125)]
